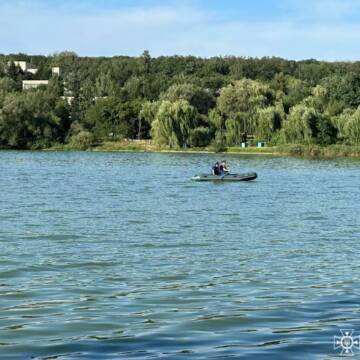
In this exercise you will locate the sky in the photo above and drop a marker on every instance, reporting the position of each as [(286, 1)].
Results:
[(292, 29)]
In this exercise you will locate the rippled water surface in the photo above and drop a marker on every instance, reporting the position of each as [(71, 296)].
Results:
[(121, 256)]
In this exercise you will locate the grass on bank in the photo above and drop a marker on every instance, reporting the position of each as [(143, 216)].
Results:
[(286, 150), (303, 150), (319, 151)]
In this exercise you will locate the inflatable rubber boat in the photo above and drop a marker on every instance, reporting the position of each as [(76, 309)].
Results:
[(227, 177)]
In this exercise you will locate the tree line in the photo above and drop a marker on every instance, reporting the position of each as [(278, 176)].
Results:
[(179, 101)]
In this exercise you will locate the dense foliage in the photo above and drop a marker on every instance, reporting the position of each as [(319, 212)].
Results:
[(179, 101)]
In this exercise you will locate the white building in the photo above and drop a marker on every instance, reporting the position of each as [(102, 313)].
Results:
[(25, 66), (56, 70), (32, 71), (33, 84)]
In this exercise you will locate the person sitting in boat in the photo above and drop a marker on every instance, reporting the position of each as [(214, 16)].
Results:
[(216, 169), (224, 168)]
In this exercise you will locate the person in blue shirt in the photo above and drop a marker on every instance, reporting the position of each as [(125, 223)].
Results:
[(224, 168)]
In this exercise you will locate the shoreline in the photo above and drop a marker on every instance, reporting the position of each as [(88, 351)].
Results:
[(169, 151), (306, 151), (302, 151)]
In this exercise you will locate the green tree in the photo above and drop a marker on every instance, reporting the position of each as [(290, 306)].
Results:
[(7, 85), (244, 96), (197, 97), (344, 89), (239, 105), (295, 91), (200, 136), (16, 74), (173, 123), (83, 140), (103, 118), (31, 120), (307, 126), (270, 120), (216, 120), (352, 128), (105, 86), (146, 117), (146, 62), (56, 86), (236, 127), (297, 128), (326, 131), (340, 123)]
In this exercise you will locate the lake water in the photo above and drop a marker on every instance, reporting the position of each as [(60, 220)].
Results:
[(121, 256)]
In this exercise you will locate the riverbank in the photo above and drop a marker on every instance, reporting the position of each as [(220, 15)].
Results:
[(312, 151), (284, 150)]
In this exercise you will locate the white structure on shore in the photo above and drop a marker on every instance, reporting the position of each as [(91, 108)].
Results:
[(29, 68), (25, 66), (33, 84), (56, 70)]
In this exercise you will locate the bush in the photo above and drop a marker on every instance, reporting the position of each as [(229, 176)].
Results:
[(219, 142), (327, 132), (200, 137), (84, 140), (352, 128)]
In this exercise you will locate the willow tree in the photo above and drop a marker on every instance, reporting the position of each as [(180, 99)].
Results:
[(305, 125), (235, 128), (239, 104), (341, 121), (216, 120), (149, 111), (295, 91), (298, 129), (269, 122), (146, 117), (173, 124), (318, 99), (352, 128), (196, 96)]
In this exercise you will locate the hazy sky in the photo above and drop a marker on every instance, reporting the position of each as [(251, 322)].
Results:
[(296, 29)]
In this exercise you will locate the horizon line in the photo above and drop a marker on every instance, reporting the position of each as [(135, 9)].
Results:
[(228, 56)]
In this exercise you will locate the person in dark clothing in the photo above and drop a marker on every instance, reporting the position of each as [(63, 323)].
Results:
[(221, 170), (216, 169)]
